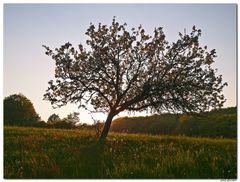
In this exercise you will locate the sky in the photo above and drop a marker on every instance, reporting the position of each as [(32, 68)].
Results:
[(27, 70)]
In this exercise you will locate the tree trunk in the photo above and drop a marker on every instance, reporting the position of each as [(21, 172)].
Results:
[(106, 127)]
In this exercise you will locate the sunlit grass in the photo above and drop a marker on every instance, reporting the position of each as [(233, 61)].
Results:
[(56, 153)]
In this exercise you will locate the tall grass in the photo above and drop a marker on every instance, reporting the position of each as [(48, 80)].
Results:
[(56, 153)]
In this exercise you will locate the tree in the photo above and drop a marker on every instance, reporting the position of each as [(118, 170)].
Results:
[(19, 110), (72, 118), (131, 70), (54, 118), (68, 122)]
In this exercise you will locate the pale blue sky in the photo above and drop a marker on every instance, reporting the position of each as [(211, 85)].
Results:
[(28, 26)]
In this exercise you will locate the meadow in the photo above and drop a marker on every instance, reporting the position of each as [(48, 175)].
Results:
[(41, 153)]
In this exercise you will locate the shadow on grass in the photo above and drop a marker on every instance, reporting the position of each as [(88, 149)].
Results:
[(91, 163)]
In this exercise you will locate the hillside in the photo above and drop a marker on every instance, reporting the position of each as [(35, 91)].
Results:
[(217, 123), (40, 153)]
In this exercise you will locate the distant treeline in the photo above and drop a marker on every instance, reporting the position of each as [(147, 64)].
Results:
[(19, 110), (217, 123)]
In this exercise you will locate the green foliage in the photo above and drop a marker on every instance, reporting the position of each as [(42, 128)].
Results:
[(217, 123), (57, 153), (19, 110)]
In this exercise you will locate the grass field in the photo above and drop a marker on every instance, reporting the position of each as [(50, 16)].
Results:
[(55, 153)]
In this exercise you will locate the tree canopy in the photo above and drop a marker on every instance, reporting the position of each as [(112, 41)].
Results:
[(72, 118), (54, 118), (68, 122), (19, 110), (131, 70)]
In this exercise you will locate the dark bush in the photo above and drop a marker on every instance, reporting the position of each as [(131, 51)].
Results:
[(63, 125), (19, 110)]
